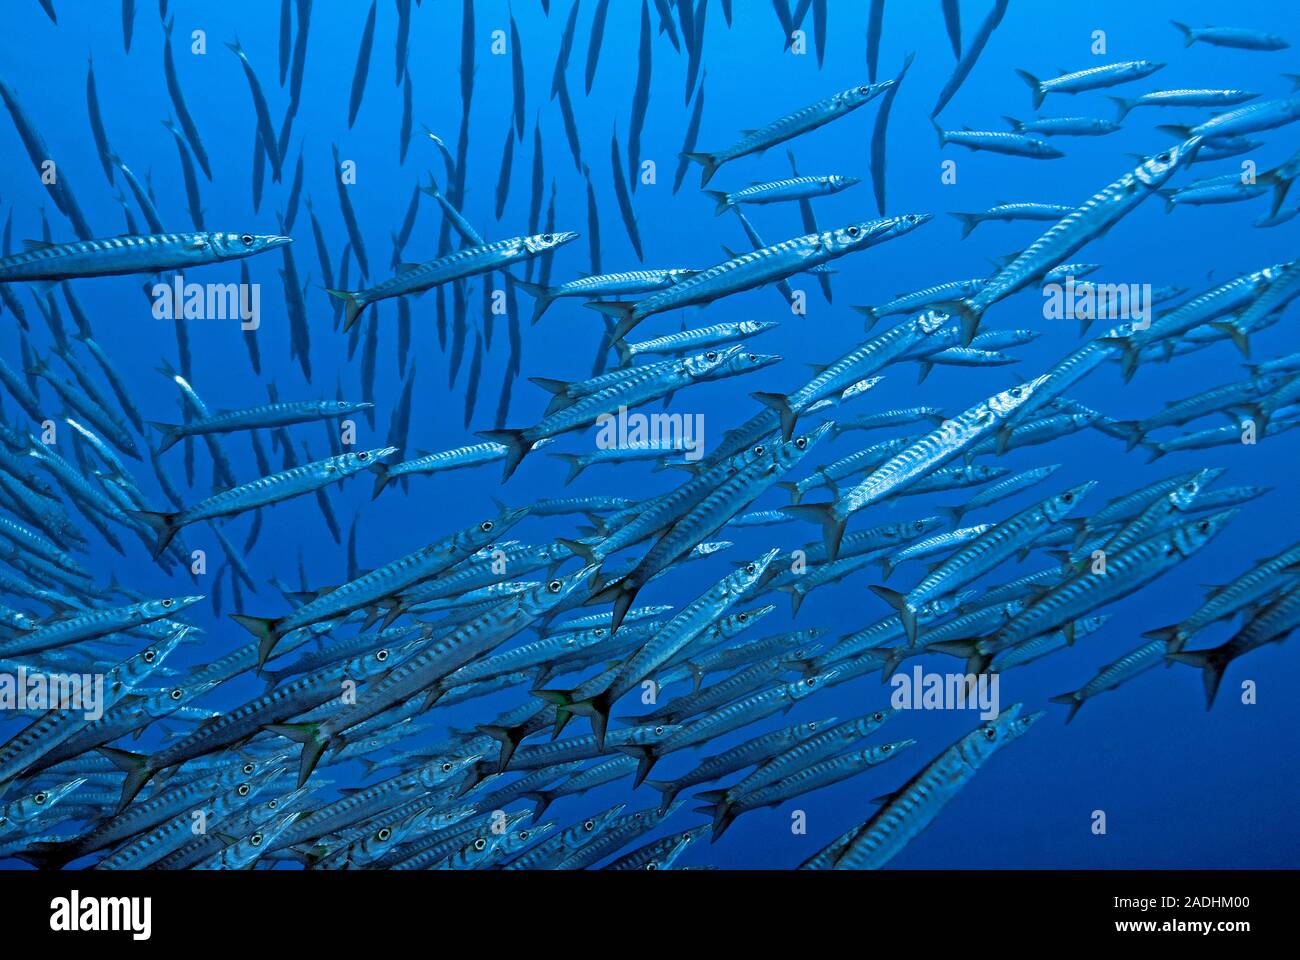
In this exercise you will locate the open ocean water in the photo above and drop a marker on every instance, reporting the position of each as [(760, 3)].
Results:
[(1178, 786)]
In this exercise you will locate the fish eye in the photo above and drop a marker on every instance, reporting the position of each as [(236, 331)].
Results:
[(1164, 157), (522, 834), (485, 526), (273, 805), (363, 456), (711, 355), (750, 568), (554, 586), (599, 631), (802, 443), (990, 733), (759, 450), (852, 231), (919, 525), (255, 839), (652, 865), (383, 834), (1203, 526), (886, 748), (176, 694), (588, 825), (243, 790), (812, 726), (812, 681), (1016, 391), (39, 798), (742, 617), (249, 768), (1067, 498), (166, 603), (150, 656), (246, 239), (753, 358), (547, 238), (863, 90), (877, 716), (446, 767), (381, 656), (480, 844), (658, 731)]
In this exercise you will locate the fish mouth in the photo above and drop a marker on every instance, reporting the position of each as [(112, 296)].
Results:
[(183, 602), (567, 237), (382, 453), (270, 242), (766, 359)]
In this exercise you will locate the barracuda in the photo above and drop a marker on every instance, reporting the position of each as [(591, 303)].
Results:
[(639, 386), (765, 265), (468, 262), (920, 459), (264, 491), (984, 554), (603, 285), (1073, 231), (391, 578), (913, 807), (148, 253)]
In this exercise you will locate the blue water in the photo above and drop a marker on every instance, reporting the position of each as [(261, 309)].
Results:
[(1180, 787)]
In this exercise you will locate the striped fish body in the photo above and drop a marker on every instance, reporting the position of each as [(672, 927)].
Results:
[(745, 711), (144, 253), (620, 284), (460, 264), (915, 805), (791, 188), (933, 450), (811, 750), (686, 340), (1096, 77), (1123, 574)]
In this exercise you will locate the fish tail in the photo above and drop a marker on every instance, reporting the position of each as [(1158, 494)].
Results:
[(870, 313), (969, 221), (508, 737), (795, 494), (1154, 452), (1017, 126), (543, 800), (47, 854), (1235, 334), (668, 788), (1189, 37), (516, 445), (265, 629), (138, 772), (723, 201), (822, 514), (964, 649), (576, 465), (1180, 130), (620, 310), (1172, 635), (164, 525), (352, 306), (1122, 106), (796, 598), (899, 602), (171, 433), (1035, 85), (313, 744), (1211, 663), (708, 161), (583, 550), (779, 402), (382, 479), (954, 514), (886, 567), (923, 368), (943, 134), (1073, 699), (541, 294), (1133, 432), (645, 756), (1130, 357), (967, 313)]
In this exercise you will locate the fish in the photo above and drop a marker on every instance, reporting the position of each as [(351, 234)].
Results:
[(966, 63), (1091, 78), (786, 128), (1238, 37), (467, 262)]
